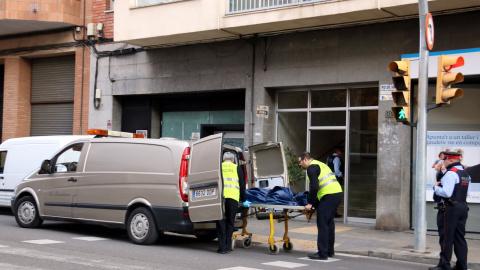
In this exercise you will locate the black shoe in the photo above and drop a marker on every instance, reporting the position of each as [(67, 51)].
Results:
[(337, 215), (331, 254), (221, 251), (317, 257)]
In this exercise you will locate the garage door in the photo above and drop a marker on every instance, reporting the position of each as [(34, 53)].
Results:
[(52, 96)]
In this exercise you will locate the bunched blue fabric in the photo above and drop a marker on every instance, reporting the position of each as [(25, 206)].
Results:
[(301, 199), (256, 195), (281, 196)]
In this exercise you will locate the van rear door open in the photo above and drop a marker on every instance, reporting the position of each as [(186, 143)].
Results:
[(269, 165), (205, 183)]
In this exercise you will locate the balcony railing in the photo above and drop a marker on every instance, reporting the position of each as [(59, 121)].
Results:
[(238, 6), (143, 3)]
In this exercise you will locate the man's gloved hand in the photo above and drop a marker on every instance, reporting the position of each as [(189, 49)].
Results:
[(246, 204)]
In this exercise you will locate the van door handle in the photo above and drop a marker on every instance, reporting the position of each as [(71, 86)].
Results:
[(72, 180)]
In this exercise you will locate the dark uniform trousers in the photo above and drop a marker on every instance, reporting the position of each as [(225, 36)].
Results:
[(451, 229), (326, 209), (226, 225)]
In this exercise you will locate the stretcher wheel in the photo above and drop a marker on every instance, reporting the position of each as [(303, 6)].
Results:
[(247, 242), (275, 249), (289, 248), (232, 248)]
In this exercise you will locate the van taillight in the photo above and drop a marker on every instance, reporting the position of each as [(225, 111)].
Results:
[(182, 183), (245, 169)]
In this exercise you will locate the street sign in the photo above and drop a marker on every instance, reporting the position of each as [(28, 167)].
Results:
[(429, 31)]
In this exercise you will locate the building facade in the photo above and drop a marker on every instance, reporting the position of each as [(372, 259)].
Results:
[(307, 73), (45, 64)]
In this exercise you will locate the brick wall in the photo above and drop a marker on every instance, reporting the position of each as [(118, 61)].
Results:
[(43, 10), (81, 95), (100, 16), (16, 101)]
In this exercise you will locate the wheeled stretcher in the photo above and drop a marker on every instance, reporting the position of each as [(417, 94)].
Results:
[(278, 213)]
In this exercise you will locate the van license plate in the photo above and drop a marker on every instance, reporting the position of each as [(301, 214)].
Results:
[(204, 192)]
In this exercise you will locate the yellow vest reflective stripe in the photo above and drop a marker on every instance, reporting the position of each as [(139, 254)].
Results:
[(231, 186), (327, 182)]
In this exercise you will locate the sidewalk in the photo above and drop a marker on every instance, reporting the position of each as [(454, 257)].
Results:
[(360, 239)]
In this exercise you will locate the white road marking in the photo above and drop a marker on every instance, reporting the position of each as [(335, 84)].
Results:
[(2, 246), (76, 262), (348, 255), (239, 268), (324, 261), (16, 267), (91, 238), (43, 242), (285, 264)]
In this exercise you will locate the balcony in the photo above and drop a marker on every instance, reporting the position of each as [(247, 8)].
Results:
[(159, 23), (20, 17), (238, 6)]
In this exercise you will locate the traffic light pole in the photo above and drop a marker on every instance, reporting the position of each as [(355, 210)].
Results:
[(420, 197)]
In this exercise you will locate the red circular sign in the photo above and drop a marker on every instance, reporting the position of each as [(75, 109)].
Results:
[(429, 32)]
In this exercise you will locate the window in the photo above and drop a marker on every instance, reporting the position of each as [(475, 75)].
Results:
[(142, 3), (67, 160), (3, 157)]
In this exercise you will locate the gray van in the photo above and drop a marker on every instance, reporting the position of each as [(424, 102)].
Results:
[(147, 186)]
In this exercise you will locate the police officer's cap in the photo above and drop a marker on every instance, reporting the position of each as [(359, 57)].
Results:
[(451, 155)]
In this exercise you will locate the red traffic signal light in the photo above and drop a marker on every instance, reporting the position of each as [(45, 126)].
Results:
[(445, 78)]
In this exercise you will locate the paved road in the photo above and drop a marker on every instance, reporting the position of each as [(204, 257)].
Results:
[(60, 245)]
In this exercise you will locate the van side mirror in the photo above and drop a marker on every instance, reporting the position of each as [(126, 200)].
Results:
[(45, 168)]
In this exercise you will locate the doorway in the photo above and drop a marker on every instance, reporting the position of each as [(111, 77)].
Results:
[(322, 119)]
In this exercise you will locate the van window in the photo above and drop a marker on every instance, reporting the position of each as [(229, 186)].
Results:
[(3, 157), (67, 160), (130, 157)]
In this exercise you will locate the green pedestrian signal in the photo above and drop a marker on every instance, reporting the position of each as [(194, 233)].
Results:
[(401, 115), (401, 96)]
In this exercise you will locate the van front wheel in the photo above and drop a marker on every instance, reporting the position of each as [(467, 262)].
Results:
[(26, 213), (141, 227)]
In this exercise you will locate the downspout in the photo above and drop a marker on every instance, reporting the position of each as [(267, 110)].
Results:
[(83, 67)]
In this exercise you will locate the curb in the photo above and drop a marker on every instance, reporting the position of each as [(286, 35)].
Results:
[(387, 255)]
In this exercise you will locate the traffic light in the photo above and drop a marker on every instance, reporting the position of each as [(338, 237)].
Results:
[(445, 78), (401, 97)]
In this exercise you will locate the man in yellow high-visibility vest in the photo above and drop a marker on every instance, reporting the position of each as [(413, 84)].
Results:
[(233, 192), (325, 195)]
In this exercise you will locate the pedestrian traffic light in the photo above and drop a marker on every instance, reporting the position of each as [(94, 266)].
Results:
[(445, 78), (401, 96)]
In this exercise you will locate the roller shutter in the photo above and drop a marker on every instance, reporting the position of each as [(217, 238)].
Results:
[(52, 96)]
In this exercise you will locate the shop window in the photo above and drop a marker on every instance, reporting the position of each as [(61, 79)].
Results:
[(292, 100), (329, 98), (329, 118), (364, 97)]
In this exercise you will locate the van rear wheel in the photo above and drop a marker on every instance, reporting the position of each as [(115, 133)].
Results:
[(26, 213), (141, 227)]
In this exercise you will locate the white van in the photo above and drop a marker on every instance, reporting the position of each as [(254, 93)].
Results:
[(21, 156)]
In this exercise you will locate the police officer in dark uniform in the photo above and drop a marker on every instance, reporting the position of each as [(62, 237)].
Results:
[(451, 197)]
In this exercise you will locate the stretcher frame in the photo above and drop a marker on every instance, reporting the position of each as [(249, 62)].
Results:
[(280, 216)]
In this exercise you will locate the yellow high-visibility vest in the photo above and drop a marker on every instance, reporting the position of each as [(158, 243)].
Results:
[(327, 182), (231, 185)]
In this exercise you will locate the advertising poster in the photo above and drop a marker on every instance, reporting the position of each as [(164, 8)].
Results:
[(465, 142)]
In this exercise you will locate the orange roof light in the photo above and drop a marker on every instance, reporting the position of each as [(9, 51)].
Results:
[(137, 135), (101, 132)]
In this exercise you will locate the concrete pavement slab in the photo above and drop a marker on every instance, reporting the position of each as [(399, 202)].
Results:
[(360, 239)]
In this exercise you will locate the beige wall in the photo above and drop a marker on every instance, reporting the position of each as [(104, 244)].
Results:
[(194, 21)]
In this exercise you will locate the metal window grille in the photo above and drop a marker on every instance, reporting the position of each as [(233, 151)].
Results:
[(238, 6)]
